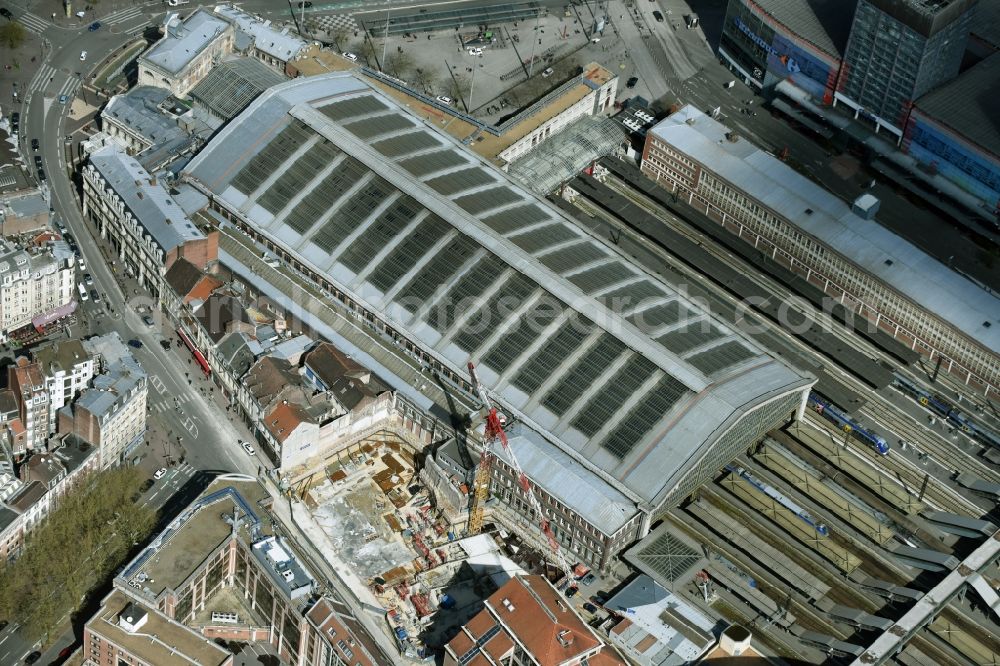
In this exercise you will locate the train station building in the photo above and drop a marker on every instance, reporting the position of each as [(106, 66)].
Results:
[(836, 247), (444, 260)]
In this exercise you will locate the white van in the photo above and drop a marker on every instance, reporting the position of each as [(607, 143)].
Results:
[(83, 292)]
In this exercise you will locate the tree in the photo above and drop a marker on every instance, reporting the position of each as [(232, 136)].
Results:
[(338, 36), (12, 34), (425, 79), (83, 541), (458, 87), (400, 64)]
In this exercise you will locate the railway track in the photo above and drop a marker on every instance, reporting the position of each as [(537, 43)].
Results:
[(927, 441)]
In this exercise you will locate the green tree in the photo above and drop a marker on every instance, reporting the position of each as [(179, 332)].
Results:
[(84, 540), (12, 34)]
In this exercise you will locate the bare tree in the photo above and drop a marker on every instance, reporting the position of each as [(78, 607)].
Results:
[(425, 78), (12, 35), (400, 64)]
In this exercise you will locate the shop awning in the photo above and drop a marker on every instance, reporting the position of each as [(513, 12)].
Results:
[(198, 356), (41, 321)]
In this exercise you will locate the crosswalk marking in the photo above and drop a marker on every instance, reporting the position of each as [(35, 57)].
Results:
[(69, 86), (41, 78), (33, 23), (124, 15)]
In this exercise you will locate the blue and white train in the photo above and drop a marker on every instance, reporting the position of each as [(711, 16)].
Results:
[(847, 424), (803, 515), (946, 410)]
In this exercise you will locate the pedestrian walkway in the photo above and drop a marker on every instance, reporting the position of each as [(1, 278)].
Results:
[(122, 16), (69, 87), (33, 23), (42, 77)]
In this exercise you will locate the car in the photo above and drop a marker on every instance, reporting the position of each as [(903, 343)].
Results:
[(95, 26), (83, 56), (571, 591), (3, 624), (38, 162), (305, 5), (146, 485), (88, 279), (174, 3), (589, 607), (4, 12), (33, 657), (81, 263), (81, 14), (632, 81), (147, 320), (34, 145), (350, 56), (97, 297), (597, 599), (589, 579), (66, 651), (248, 448), (547, 72), (476, 51), (62, 99), (158, 474), (165, 344), (658, 16), (41, 175), (133, 343)]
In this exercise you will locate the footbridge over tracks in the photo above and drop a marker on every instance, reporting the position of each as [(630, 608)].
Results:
[(895, 638)]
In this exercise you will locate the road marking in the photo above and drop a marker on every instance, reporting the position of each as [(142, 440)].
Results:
[(41, 78), (33, 23), (123, 15), (69, 86)]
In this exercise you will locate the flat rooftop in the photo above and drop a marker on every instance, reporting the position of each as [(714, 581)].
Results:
[(192, 537), (878, 251), (184, 40), (612, 362), (160, 640)]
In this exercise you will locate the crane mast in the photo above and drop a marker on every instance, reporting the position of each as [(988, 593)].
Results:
[(481, 481)]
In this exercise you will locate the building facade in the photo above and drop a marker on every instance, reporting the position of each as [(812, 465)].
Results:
[(136, 214), (31, 285), (898, 50), (934, 311), (25, 379), (186, 52), (67, 369)]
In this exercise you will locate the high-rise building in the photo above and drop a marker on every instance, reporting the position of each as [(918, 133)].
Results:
[(900, 49)]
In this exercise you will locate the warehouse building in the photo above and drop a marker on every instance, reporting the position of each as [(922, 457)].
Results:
[(854, 260), (433, 248)]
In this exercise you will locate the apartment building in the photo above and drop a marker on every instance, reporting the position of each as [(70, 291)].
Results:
[(147, 228), (25, 379), (67, 368), (31, 286)]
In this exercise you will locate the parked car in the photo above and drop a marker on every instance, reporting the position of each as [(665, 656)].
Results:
[(3, 624), (97, 297), (33, 657), (41, 175), (589, 607), (83, 56), (248, 448), (4, 12), (632, 81), (476, 51), (165, 344), (147, 320), (444, 99), (66, 651), (146, 485), (305, 5), (658, 16), (95, 26), (350, 56), (571, 591), (158, 474), (133, 343), (34, 145), (597, 599), (589, 579), (38, 162), (547, 72), (88, 279)]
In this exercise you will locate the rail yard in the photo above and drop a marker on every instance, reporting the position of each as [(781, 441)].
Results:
[(829, 529)]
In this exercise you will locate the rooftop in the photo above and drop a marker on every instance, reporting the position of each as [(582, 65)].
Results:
[(180, 549), (113, 388), (233, 84), (680, 633), (331, 628), (109, 348), (159, 641), (139, 111), (184, 40), (281, 565), (969, 104), (147, 199), (284, 419), (880, 252), (612, 362), (218, 312), (279, 43), (825, 24), (60, 356), (24, 204)]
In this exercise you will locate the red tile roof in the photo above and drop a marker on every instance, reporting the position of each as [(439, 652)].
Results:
[(285, 418)]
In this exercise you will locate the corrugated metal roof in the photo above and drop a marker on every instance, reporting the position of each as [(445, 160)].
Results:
[(872, 247), (278, 43), (465, 275)]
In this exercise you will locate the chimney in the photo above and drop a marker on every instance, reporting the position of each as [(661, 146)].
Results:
[(565, 638)]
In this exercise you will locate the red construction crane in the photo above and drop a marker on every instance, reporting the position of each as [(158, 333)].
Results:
[(481, 482)]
